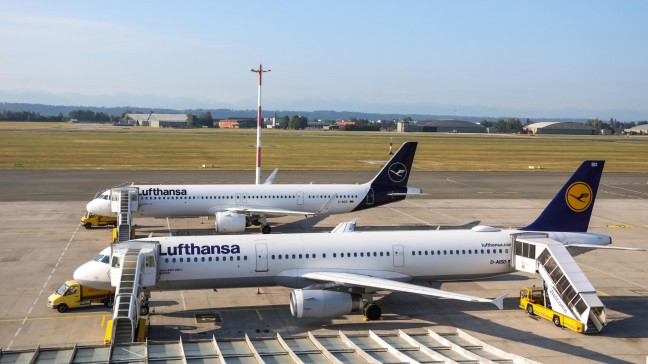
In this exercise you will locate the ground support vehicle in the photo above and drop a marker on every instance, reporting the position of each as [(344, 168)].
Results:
[(91, 220), (534, 301), (73, 295)]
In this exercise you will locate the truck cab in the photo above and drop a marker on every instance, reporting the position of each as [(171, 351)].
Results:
[(71, 294)]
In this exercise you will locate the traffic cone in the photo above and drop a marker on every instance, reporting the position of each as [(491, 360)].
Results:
[(258, 290)]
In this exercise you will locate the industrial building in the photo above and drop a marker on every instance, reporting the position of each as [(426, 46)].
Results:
[(160, 120), (557, 127), (440, 126)]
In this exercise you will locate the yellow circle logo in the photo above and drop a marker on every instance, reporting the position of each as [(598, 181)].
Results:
[(579, 196)]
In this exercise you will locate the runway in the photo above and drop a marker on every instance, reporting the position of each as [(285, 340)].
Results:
[(41, 244)]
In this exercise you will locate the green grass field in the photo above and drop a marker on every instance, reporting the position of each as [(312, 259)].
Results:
[(62, 146)]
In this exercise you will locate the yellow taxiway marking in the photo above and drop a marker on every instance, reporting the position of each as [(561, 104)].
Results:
[(67, 317), (621, 226), (601, 293), (103, 320)]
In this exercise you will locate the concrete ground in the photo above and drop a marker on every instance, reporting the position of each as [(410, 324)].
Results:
[(41, 244)]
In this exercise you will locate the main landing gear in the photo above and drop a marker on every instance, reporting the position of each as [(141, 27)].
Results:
[(265, 229), (371, 312)]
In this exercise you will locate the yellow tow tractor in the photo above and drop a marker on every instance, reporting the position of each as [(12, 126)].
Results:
[(533, 300)]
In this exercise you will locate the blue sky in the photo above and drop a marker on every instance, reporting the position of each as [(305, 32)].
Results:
[(475, 58)]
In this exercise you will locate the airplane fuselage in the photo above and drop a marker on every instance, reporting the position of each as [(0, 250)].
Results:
[(203, 200), (202, 262), (206, 200)]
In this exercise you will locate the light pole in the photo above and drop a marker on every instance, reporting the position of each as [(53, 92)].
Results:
[(260, 71)]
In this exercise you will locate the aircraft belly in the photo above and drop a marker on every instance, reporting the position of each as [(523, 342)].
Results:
[(214, 283)]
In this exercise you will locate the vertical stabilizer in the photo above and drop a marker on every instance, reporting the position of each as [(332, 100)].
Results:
[(571, 209), (396, 172)]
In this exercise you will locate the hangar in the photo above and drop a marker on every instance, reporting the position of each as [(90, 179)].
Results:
[(441, 126), (637, 130), (557, 127), (160, 120)]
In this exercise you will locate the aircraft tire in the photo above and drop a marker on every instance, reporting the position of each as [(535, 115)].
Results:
[(266, 229), (372, 312), (109, 303), (556, 321), (62, 308), (144, 310), (530, 309)]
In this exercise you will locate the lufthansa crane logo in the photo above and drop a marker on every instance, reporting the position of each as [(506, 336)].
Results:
[(397, 172), (578, 196)]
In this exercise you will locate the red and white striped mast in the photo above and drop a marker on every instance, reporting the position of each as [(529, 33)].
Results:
[(260, 71)]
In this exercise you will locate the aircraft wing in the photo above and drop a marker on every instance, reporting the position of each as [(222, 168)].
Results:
[(251, 210), (361, 280)]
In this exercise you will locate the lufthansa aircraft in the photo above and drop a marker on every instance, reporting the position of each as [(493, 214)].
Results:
[(238, 206), (333, 273)]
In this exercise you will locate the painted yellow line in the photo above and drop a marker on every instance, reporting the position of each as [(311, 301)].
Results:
[(259, 314), (601, 293), (62, 317), (621, 226), (103, 320)]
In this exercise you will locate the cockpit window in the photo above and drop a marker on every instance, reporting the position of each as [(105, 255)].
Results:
[(102, 258)]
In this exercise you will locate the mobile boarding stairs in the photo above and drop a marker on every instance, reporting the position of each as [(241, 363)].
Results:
[(566, 287), (134, 265), (123, 201)]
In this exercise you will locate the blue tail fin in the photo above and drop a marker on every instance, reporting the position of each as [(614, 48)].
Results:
[(571, 208), (396, 172), (390, 184)]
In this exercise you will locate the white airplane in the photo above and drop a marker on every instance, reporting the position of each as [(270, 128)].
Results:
[(334, 272), (238, 206)]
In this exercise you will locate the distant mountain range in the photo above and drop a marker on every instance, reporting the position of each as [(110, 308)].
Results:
[(231, 113)]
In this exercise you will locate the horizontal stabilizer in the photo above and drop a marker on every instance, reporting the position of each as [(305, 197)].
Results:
[(594, 247)]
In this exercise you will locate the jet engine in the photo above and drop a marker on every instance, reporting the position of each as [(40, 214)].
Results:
[(321, 303), (230, 222)]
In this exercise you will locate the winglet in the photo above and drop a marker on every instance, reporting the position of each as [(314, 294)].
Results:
[(499, 301), (271, 177), (327, 205), (345, 227)]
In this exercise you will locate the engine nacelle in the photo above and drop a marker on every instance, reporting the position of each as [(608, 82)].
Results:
[(320, 303), (230, 222)]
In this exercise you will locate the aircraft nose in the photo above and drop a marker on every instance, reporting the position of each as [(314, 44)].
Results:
[(99, 207), (93, 274)]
